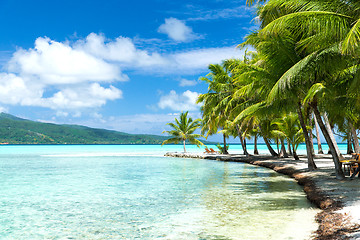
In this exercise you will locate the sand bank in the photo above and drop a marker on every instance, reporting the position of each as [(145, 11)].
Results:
[(339, 200)]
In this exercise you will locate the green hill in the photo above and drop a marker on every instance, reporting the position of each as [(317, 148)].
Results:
[(14, 130)]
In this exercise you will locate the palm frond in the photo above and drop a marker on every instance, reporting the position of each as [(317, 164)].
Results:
[(352, 41), (315, 89)]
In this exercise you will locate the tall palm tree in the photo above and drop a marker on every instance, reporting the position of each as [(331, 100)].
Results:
[(252, 83), (280, 55), (312, 26), (183, 130), (216, 100)]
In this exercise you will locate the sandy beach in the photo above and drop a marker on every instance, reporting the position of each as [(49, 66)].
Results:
[(339, 200)]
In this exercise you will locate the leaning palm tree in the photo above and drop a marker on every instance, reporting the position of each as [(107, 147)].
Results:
[(183, 130), (216, 100)]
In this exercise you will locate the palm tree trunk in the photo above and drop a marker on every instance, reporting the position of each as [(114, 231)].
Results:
[(320, 151), (311, 163), (338, 171), (243, 142), (184, 146), (310, 133), (271, 150), (243, 145), (256, 152), (295, 154), (289, 147), (328, 127), (277, 145), (268, 145), (283, 153), (245, 151), (225, 148), (349, 143), (355, 138)]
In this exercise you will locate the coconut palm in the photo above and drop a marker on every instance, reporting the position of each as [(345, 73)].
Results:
[(252, 83), (287, 21), (326, 33), (183, 130), (216, 100), (279, 56), (289, 127), (307, 60)]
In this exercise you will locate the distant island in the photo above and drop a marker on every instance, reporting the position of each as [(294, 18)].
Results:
[(14, 130)]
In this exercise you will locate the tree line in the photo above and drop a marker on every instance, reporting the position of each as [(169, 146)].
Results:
[(301, 71)]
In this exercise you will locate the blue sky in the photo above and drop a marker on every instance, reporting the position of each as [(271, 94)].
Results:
[(129, 66)]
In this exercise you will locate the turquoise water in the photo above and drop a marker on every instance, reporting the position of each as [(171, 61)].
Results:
[(130, 192)]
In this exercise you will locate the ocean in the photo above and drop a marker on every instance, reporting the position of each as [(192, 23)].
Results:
[(133, 192)]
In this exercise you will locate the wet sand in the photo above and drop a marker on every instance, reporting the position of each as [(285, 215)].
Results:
[(339, 200)]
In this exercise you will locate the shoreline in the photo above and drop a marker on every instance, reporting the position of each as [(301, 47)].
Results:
[(338, 200)]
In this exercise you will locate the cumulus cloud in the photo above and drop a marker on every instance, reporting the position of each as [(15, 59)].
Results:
[(179, 102), (73, 98), (59, 63), (201, 58), (60, 76), (122, 50), (70, 76), (187, 83), (177, 30), (17, 90)]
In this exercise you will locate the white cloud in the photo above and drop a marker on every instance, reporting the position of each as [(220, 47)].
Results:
[(4, 109), (89, 96), (201, 58), (67, 76), (59, 63), (122, 50), (189, 62), (177, 30), (179, 102), (16, 90), (62, 114), (59, 76), (187, 83)]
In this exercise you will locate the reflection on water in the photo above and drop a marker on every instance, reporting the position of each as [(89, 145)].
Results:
[(138, 197)]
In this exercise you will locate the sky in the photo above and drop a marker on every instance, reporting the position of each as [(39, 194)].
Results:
[(130, 66)]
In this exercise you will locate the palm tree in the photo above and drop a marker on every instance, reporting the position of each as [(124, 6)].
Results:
[(307, 60), (183, 131), (289, 127), (280, 55), (291, 22), (326, 33), (216, 100)]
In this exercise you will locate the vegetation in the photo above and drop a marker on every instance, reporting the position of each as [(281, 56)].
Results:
[(15, 130), (223, 150), (306, 63), (183, 131)]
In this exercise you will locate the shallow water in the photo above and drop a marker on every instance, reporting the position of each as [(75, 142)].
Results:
[(99, 192)]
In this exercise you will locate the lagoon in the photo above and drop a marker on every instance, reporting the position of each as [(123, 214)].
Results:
[(132, 192)]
